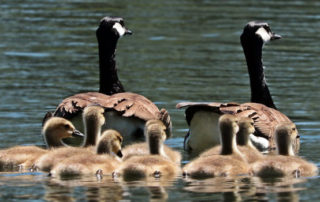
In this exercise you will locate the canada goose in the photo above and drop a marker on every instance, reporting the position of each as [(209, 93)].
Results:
[(53, 132), (126, 112), (143, 148), (229, 162), (93, 119), (86, 163), (285, 163), (156, 163), (201, 116), (249, 152)]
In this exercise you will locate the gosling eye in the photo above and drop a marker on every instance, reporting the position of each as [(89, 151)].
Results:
[(67, 126), (252, 123), (120, 139), (293, 129)]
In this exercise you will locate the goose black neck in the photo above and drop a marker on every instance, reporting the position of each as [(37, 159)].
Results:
[(109, 81), (259, 90)]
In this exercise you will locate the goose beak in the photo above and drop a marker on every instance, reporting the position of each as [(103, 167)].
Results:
[(275, 36), (128, 32), (119, 154), (77, 133)]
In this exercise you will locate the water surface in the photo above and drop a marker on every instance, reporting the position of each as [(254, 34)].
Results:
[(180, 51)]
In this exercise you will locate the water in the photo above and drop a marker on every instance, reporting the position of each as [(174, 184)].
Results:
[(180, 51)]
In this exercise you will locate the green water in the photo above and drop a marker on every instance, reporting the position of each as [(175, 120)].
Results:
[(180, 51)]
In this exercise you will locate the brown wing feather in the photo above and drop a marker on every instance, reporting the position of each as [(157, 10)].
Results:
[(128, 104), (72, 105), (265, 119)]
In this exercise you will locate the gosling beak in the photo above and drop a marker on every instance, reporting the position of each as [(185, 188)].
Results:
[(275, 36), (77, 133), (119, 154), (128, 32)]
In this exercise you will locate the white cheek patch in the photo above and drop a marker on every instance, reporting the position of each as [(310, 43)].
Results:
[(263, 34), (117, 26)]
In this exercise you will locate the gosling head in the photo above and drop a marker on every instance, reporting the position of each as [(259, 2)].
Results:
[(111, 27), (155, 133), (259, 32), (285, 135), (246, 127), (94, 114), (55, 129), (110, 143), (228, 125)]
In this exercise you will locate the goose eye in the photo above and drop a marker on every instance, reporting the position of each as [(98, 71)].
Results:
[(267, 28), (121, 22)]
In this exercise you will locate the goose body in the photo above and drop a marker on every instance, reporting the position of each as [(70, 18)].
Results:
[(285, 163), (93, 119), (261, 108), (229, 162), (53, 131), (105, 160), (126, 112), (154, 164)]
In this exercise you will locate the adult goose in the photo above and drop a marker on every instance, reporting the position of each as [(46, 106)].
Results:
[(202, 117), (126, 112)]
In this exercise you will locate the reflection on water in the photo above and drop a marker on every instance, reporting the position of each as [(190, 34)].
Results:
[(20, 186), (181, 50), (243, 188)]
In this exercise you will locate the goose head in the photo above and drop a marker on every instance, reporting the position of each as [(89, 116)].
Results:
[(155, 133), (110, 143), (93, 119), (246, 127), (228, 125), (259, 32), (285, 135), (111, 28), (55, 129)]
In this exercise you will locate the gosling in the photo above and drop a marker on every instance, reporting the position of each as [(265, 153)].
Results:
[(250, 152), (104, 162), (143, 148), (23, 157), (93, 119), (229, 162), (154, 164), (285, 163)]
